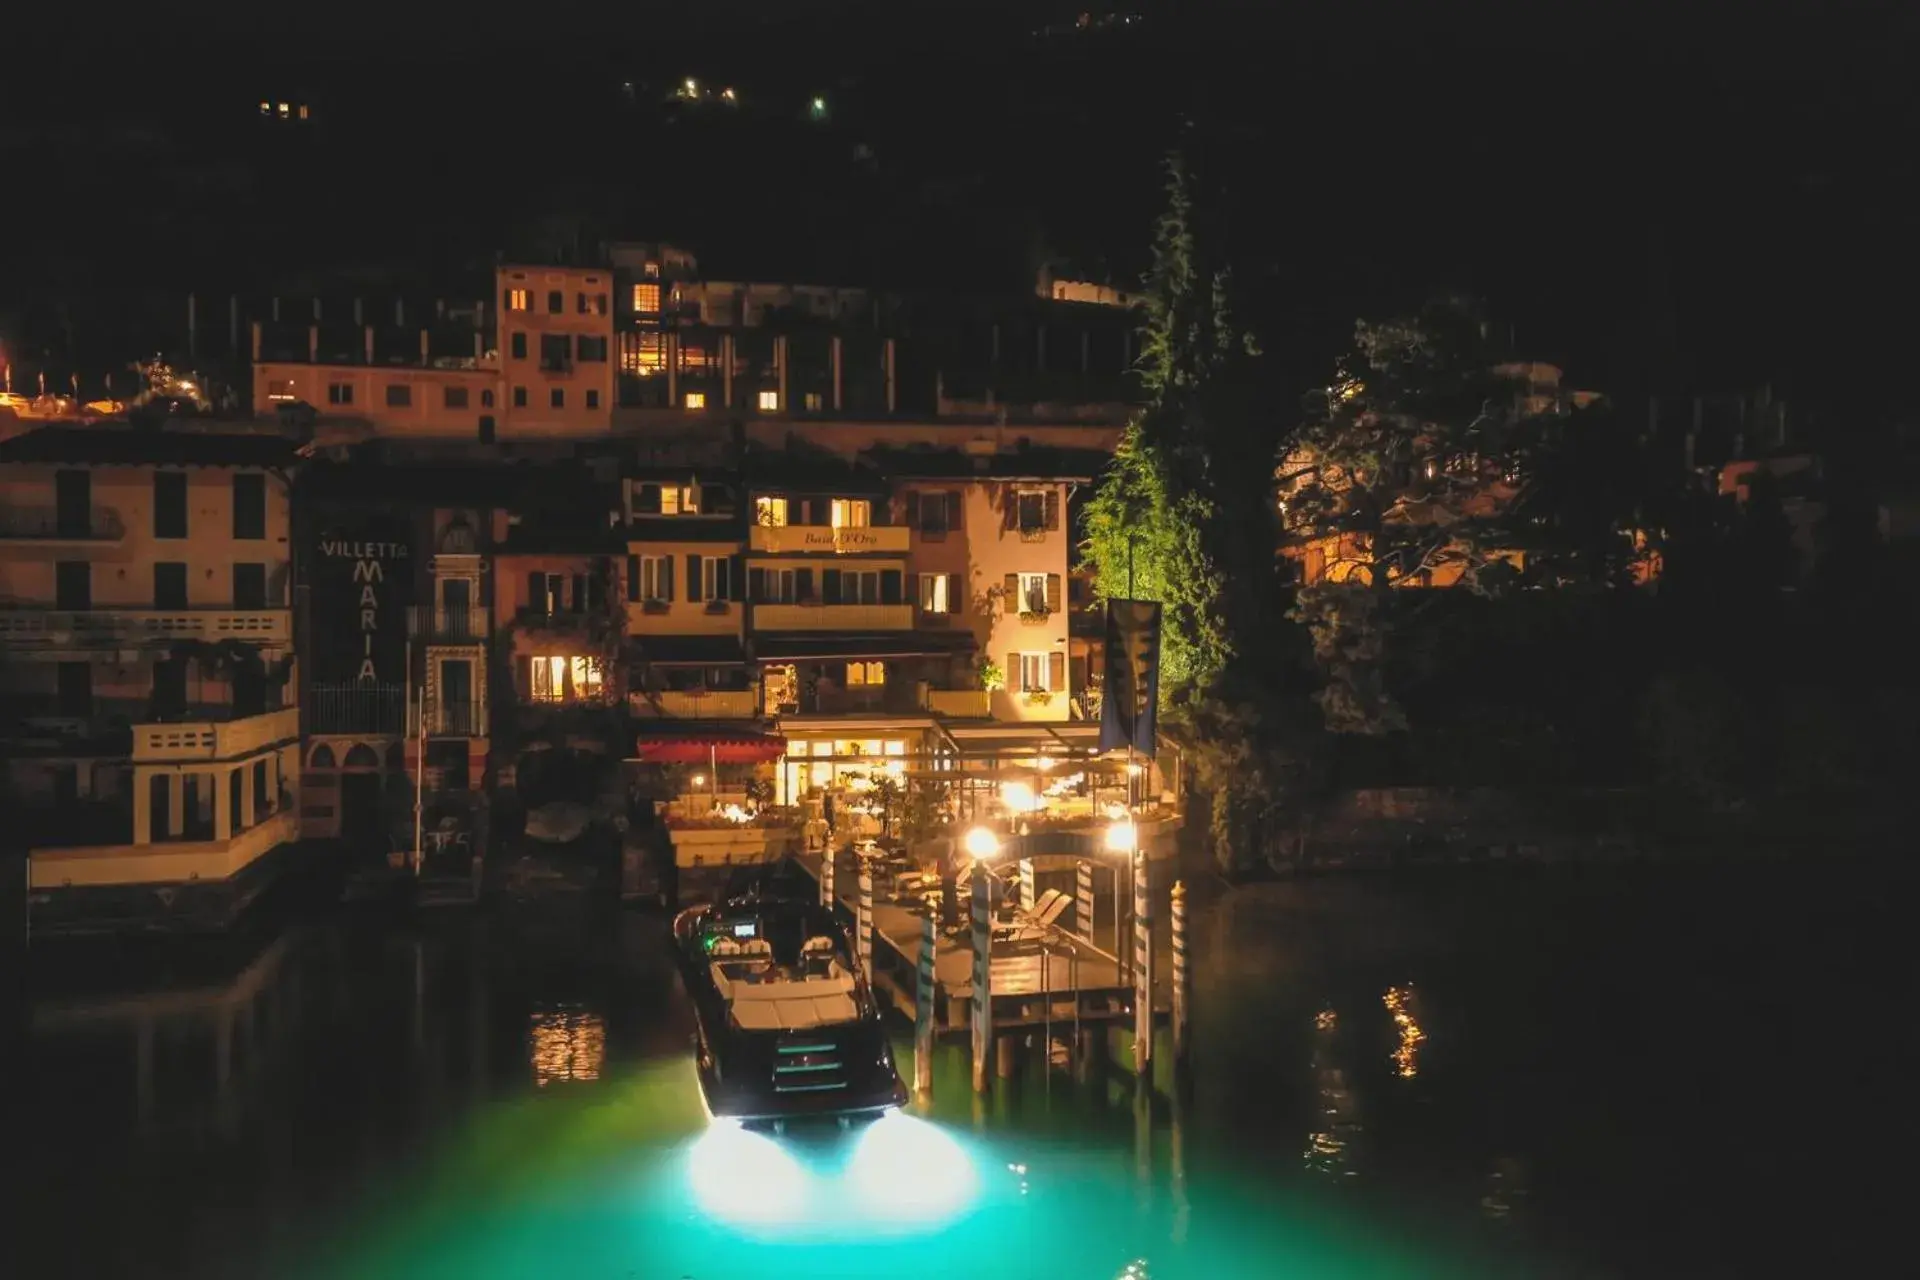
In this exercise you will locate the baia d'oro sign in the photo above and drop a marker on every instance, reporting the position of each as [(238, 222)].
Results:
[(361, 586)]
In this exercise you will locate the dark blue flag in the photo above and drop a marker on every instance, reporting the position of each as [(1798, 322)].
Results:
[(1132, 676)]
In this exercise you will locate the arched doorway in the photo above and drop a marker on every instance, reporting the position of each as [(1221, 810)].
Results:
[(360, 817)]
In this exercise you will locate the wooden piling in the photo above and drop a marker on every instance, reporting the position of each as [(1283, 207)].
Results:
[(924, 994), (863, 919), (1026, 884), (1142, 969), (1182, 994), (1083, 900), (982, 999), (826, 876)]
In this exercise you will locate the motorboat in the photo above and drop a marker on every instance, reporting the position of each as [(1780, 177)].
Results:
[(788, 1027)]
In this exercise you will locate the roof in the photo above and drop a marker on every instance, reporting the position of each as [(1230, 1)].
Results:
[(532, 486), (811, 646), (117, 446)]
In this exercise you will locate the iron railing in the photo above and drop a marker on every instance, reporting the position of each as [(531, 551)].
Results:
[(356, 708)]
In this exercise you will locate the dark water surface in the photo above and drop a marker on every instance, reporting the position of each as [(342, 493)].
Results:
[(1570, 1072)]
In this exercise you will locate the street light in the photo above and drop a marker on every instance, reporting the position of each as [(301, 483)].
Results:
[(1122, 837), (981, 844)]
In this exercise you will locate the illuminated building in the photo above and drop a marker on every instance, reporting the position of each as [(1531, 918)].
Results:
[(152, 739)]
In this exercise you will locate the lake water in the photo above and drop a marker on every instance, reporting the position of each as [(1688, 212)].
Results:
[(1566, 1072)]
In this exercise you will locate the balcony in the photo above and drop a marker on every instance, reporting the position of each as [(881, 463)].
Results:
[(470, 625), (961, 704), (128, 863), (377, 709), (833, 617), (210, 740), (48, 524), (822, 539), (59, 627), (694, 704)]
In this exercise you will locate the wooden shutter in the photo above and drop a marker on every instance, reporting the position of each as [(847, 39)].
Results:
[(830, 586), (694, 594), (1013, 593), (578, 600), (666, 577), (953, 511), (953, 592), (537, 586), (913, 509), (803, 584), (736, 581), (890, 584), (1053, 511), (1013, 673), (1009, 508), (756, 584), (720, 566), (1057, 671), (1053, 593)]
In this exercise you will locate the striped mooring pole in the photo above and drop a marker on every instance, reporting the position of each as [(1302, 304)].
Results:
[(863, 920), (1083, 900), (982, 999), (1142, 969), (923, 993), (1026, 884), (826, 876), (1182, 993)]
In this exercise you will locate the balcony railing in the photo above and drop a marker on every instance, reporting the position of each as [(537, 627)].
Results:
[(469, 625), (368, 708), (833, 617), (49, 524), (58, 627), (455, 719), (208, 740), (964, 704), (824, 539), (695, 704)]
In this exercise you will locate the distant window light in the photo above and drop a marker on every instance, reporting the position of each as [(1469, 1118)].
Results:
[(769, 402), (283, 110), (813, 401), (557, 398), (518, 300), (652, 270), (643, 354), (646, 299), (266, 108), (696, 399), (303, 111)]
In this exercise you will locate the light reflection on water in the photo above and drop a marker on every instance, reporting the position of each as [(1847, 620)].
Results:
[(347, 1104)]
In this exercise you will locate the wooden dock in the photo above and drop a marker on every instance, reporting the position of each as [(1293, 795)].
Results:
[(1061, 981)]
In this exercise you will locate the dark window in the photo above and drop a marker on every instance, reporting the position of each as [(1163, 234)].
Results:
[(1033, 512), (169, 585), (486, 428), (250, 505), (591, 348), (76, 688), (486, 399), (518, 344), (73, 504), (339, 393), (399, 395), (455, 397), (557, 398), (73, 586), (580, 303), (170, 686), (519, 397), (555, 351), (170, 504), (593, 399), (249, 586), (599, 304), (556, 302)]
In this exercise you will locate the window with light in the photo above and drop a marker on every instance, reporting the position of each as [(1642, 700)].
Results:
[(852, 513), (769, 402), (1033, 593), (770, 513), (519, 300), (866, 674), (696, 399)]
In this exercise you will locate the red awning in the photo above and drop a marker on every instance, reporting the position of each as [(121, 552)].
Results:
[(732, 749)]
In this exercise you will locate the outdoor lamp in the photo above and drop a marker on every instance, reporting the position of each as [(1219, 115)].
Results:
[(1122, 837), (981, 844)]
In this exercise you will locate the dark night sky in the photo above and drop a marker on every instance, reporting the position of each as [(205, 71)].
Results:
[(1646, 190)]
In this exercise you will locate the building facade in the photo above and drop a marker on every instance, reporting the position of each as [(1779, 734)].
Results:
[(152, 736)]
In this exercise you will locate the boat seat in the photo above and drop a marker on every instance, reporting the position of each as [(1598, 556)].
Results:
[(757, 947), (726, 946)]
